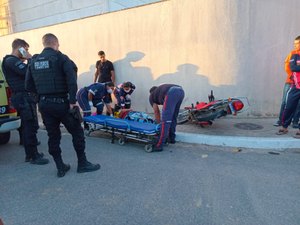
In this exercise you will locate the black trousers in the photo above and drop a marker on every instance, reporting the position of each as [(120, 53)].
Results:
[(292, 99), (25, 104), (54, 112)]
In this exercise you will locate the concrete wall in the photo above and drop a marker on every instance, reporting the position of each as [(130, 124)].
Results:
[(30, 14), (236, 48)]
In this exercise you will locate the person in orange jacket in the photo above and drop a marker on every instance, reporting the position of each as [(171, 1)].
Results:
[(293, 95), (287, 85)]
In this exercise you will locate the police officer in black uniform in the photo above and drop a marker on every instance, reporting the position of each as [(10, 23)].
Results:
[(14, 69), (52, 75)]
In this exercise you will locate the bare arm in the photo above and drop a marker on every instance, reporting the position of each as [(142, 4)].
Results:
[(72, 106), (96, 75), (113, 76), (109, 109), (156, 112), (90, 96)]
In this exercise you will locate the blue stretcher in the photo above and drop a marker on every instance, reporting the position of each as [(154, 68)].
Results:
[(123, 129)]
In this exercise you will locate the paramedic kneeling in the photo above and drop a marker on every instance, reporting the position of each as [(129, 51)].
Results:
[(123, 95), (96, 95), (170, 96)]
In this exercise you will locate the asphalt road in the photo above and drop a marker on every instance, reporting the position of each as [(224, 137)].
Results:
[(183, 185)]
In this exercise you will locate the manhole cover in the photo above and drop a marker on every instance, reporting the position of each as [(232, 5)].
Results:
[(248, 126)]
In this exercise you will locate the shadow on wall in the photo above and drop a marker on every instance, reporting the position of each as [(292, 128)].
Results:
[(86, 78), (140, 76), (195, 85)]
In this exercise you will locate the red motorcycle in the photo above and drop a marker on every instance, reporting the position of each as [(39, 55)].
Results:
[(204, 113)]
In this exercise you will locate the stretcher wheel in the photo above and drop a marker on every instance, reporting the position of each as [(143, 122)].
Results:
[(121, 141), (148, 148)]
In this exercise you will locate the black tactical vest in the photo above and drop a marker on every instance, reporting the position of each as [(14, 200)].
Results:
[(47, 73), (15, 81)]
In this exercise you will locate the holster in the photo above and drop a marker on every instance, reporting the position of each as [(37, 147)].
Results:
[(75, 112), (25, 105)]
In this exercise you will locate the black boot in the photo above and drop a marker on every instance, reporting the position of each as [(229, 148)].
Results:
[(86, 126), (62, 168), (28, 158), (38, 159), (156, 148), (86, 166), (171, 138), (20, 136)]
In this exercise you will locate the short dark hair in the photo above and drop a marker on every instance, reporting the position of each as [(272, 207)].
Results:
[(101, 53), (49, 39), (152, 89), (19, 42), (110, 84), (297, 38), (127, 84)]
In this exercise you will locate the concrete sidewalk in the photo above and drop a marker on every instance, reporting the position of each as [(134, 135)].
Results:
[(239, 132)]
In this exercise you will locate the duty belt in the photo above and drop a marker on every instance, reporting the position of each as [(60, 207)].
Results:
[(53, 99), (24, 93)]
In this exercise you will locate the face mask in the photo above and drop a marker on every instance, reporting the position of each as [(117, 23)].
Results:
[(127, 91), (109, 91)]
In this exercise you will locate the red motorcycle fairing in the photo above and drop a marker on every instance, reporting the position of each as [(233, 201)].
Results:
[(204, 113)]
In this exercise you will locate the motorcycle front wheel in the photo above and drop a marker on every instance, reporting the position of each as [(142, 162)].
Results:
[(183, 116)]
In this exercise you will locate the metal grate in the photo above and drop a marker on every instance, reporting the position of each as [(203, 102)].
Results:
[(248, 126)]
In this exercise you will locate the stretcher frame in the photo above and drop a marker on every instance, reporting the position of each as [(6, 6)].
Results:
[(123, 130)]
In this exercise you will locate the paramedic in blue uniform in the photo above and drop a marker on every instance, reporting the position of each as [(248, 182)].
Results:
[(14, 69), (52, 75), (96, 95), (170, 96), (123, 95)]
